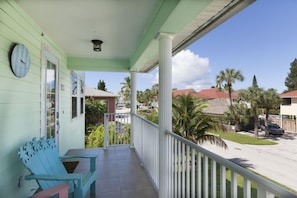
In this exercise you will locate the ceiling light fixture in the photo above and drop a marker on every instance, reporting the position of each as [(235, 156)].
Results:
[(97, 45)]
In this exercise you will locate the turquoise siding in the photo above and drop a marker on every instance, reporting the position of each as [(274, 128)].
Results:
[(20, 99)]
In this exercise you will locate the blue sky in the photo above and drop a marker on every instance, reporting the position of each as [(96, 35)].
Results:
[(260, 40)]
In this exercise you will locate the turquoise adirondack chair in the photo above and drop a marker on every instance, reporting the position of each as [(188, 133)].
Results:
[(43, 161)]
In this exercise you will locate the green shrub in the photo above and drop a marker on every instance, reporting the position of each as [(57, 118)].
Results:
[(95, 137)]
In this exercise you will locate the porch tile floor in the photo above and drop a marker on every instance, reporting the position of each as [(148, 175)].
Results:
[(120, 174)]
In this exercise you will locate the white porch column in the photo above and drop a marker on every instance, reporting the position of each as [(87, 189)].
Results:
[(133, 106), (165, 109)]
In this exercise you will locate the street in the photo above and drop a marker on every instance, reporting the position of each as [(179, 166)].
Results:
[(277, 162)]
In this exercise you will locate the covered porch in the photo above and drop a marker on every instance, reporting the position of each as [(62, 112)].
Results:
[(137, 37)]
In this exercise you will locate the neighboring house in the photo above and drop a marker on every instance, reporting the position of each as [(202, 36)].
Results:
[(109, 98), (288, 110), (217, 106), (155, 102), (218, 101)]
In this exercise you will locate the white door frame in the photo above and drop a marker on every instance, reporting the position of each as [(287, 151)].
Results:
[(48, 55)]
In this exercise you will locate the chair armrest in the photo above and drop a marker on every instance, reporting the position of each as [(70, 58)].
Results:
[(90, 156), (78, 156), (60, 177)]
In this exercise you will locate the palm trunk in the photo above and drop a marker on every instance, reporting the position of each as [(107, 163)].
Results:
[(255, 123), (229, 92), (266, 122)]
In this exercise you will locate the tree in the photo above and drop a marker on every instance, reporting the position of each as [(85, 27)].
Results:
[(255, 83), (270, 100), (126, 89), (101, 85), (153, 116), (95, 109), (144, 96), (155, 89), (291, 80), (190, 122), (252, 96), (236, 114), (147, 97), (139, 96), (229, 76)]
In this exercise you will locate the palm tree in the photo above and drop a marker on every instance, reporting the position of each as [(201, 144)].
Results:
[(126, 89), (139, 96), (237, 114), (270, 100), (190, 122), (155, 89), (253, 96), (147, 97), (229, 76)]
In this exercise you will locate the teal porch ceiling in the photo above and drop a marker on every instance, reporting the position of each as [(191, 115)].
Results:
[(128, 28)]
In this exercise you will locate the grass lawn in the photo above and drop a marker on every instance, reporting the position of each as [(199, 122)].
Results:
[(243, 139)]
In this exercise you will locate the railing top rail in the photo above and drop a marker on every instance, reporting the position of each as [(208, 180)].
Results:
[(266, 184), (116, 113), (145, 120)]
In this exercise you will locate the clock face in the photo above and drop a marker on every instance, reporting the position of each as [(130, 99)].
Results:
[(20, 60)]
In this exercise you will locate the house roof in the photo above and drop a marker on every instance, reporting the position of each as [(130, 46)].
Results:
[(91, 92), (291, 94), (211, 93), (129, 29), (183, 92)]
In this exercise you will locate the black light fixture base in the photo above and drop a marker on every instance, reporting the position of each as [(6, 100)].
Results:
[(97, 45)]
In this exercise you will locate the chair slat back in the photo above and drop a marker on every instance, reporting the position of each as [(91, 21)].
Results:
[(42, 157)]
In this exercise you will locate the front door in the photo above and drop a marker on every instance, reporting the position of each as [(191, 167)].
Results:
[(50, 123)]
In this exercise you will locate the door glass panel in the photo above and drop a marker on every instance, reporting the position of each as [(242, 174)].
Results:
[(50, 99)]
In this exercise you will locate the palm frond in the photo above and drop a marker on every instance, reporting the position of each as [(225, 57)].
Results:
[(213, 140)]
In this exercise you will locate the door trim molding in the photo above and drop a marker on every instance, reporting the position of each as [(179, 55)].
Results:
[(48, 55)]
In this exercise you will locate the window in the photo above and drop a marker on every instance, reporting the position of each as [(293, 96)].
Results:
[(82, 88), (82, 105), (286, 101), (74, 94)]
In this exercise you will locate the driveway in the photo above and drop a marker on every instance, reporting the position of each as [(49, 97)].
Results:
[(277, 162)]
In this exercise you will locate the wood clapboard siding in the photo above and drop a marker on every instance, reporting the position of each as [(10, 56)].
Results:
[(20, 98)]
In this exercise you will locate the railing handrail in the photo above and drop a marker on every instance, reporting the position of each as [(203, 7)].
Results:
[(145, 120), (268, 185)]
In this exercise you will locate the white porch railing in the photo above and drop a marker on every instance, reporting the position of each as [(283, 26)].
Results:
[(116, 129), (146, 142), (196, 172)]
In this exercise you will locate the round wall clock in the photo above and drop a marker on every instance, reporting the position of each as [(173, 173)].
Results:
[(20, 60)]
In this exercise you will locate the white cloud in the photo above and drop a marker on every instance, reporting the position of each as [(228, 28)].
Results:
[(190, 71)]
